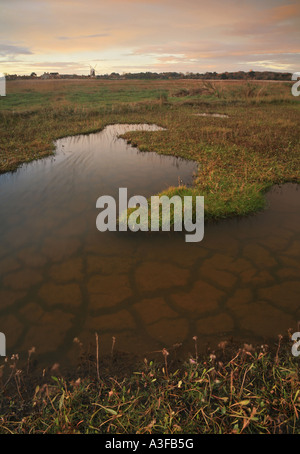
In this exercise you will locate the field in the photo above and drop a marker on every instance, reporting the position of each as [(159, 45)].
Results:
[(254, 144), (250, 145)]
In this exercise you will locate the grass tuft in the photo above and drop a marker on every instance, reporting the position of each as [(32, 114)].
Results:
[(227, 391)]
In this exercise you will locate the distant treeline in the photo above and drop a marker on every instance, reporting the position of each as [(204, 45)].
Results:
[(238, 75)]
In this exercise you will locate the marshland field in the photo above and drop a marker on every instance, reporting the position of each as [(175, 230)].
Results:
[(171, 338), (242, 154)]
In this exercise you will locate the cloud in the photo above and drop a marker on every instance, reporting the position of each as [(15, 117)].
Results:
[(97, 35), (191, 35), (12, 49), (283, 19)]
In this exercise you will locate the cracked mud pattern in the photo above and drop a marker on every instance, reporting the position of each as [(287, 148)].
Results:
[(60, 278)]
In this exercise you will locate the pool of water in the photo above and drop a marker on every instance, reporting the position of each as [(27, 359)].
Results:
[(60, 278)]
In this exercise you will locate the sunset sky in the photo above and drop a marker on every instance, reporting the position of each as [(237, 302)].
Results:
[(152, 35)]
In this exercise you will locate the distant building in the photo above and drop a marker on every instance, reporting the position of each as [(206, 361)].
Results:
[(45, 76), (50, 76)]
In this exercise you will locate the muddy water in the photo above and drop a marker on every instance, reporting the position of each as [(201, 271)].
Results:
[(60, 278)]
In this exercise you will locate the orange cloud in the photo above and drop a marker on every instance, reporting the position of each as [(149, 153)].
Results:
[(190, 34)]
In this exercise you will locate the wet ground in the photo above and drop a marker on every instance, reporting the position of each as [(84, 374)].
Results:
[(61, 278)]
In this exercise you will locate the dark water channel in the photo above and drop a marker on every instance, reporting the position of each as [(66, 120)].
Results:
[(60, 278)]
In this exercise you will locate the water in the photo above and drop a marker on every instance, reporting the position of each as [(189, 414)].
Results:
[(60, 278)]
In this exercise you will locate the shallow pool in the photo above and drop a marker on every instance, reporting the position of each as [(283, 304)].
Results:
[(60, 278)]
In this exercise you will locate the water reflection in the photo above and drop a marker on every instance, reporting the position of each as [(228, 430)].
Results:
[(61, 278)]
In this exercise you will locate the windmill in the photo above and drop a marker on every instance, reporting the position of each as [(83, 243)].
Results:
[(93, 71)]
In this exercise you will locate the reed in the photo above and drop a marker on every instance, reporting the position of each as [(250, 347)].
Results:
[(232, 390)]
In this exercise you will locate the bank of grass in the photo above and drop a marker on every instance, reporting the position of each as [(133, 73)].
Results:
[(240, 156), (228, 391)]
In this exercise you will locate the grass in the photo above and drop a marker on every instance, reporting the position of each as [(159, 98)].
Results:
[(239, 156), (228, 391)]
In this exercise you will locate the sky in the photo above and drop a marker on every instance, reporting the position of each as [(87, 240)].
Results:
[(67, 36)]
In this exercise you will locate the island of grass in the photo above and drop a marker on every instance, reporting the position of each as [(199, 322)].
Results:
[(252, 144)]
